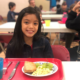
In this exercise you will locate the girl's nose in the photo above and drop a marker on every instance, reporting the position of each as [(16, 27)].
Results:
[(31, 25)]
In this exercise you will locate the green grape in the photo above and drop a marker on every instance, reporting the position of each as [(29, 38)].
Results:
[(44, 65), (50, 65), (37, 64)]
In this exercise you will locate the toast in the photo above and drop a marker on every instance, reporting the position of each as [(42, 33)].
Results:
[(29, 67)]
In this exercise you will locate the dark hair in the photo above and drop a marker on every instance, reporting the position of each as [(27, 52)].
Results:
[(11, 4), (64, 3), (71, 7), (38, 10), (29, 1), (18, 39)]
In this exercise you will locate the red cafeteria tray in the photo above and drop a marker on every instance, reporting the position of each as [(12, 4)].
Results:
[(20, 76)]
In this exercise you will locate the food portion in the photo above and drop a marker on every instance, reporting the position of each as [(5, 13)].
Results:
[(29, 67), (38, 69), (41, 71)]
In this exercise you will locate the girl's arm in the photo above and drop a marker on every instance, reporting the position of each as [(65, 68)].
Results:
[(16, 13), (48, 51)]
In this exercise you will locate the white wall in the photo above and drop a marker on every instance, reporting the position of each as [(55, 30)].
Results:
[(20, 4)]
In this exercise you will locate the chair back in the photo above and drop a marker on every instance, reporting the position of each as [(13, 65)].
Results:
[(60, 52), (6, 37)]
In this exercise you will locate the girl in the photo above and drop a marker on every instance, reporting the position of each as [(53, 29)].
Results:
[(27, 41)]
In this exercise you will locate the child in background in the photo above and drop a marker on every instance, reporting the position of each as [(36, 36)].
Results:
[(73, 22), (11, 13), (27, 40), (69, 37), (63, 8)]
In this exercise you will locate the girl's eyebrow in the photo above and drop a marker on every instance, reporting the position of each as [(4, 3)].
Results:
[(36, 21), (26, 19), (29, 20)]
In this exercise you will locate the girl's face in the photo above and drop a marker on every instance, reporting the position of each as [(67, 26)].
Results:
[(30, 25)]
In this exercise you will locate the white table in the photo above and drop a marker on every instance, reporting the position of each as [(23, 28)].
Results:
[(54, 16), (48, 12), (71, 70), (54, 27)]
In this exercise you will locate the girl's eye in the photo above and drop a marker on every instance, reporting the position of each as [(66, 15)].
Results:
[(26, 22), (35, 23)]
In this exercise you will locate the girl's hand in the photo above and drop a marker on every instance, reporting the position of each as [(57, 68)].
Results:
[(76, 6)]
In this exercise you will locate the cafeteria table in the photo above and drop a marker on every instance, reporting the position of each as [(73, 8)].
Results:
[(52, 16), (48, 12)]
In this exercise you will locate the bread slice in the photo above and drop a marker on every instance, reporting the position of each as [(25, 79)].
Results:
[(29, 67)]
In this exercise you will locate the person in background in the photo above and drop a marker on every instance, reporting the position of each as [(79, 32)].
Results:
[(69, 37), (27, 37), (41, 7), (73, 22), (62, 9), (58, 4), (11, 14), (32, 4)]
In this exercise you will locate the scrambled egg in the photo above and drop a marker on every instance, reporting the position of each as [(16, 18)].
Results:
[(41, 71)]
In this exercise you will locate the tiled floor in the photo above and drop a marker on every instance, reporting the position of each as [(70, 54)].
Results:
[(53, 35)]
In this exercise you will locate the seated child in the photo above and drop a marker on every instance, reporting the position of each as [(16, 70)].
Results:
[(73, 22), (11, 13), (69, 37), (63, 8), (27, 41)]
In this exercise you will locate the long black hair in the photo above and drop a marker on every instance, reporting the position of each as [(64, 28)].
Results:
[(18, 40)]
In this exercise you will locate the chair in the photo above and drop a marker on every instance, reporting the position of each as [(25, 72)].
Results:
[(5, 38), (60, 52)]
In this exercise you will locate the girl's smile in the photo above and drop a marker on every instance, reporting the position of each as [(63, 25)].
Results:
[(30, 31)]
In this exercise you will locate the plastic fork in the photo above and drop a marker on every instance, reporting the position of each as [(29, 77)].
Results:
[(5, 68)]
